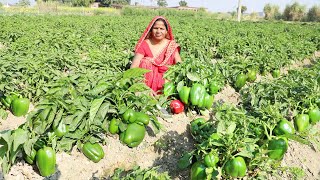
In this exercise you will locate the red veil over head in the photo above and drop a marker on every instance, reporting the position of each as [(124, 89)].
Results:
[(157, 64), (146, 32)]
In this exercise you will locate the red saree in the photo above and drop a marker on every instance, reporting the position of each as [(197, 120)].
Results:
[(156, 63)]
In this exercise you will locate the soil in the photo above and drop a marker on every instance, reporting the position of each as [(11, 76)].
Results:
[(162, 149)]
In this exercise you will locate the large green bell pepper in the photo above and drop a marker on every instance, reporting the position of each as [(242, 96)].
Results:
[(198, 171), (142, 118), (236, 167), (208, 101), (129, 116), (94, 152), (197, 94), (46, 161), (252, 75), (61, 130), (283, 127), (240, 80), (277, 148), (301, 122), (114, 126), (184, 94), (133, 135), (169, 88), (211, 159), (20, 106), (314, 115)]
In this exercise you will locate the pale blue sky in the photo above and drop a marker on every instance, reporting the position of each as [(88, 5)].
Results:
[(220, 5), (231, 5)]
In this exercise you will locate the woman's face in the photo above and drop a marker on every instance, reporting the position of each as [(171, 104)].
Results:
[(159, 31)]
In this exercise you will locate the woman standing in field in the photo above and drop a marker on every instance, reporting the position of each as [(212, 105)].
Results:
[(156, 50)]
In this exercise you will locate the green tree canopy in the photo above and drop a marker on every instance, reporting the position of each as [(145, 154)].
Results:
[(294, 12), (271, 11), (162, 3), (183, 3), (314, 13)]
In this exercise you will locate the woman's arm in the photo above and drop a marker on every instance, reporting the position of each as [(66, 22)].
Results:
[(136, 60), (177, 57)]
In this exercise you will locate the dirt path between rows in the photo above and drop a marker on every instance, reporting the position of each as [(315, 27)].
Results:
[(174, 141)]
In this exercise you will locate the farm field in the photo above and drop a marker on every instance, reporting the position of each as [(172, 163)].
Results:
[(57, 62)]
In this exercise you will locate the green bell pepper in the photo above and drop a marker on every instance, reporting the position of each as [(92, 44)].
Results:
[(129, 116), (301, 122), (208, 101), (314, 115), (252, 75), (196, 94), (7, 100), (277, 148), (195, 125), (94, 152), (276, 73), (240, 80), (114, 126), (133, 135), (184, 94), (169, 88), (30, 158), (214, 87), (20, 106), (284, 127), (46, 161), (236, 167), (61, 130), (198, 171), (142, 118), (211, 159)]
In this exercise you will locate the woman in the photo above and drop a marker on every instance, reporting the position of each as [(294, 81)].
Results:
[(156, 50)]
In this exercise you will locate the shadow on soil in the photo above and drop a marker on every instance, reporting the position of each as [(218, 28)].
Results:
[(172, 146)]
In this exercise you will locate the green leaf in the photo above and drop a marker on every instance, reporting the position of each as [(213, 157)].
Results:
[(232, 126), (138, 87), (193, 76), (95, 105), (135, 72), (3, 114), (185, 161), (20, 136)]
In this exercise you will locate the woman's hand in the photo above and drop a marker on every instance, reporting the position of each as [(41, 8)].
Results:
[(136, 60)]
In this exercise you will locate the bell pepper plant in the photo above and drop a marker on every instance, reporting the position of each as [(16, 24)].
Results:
[(46, 161), (93, 151), (7, 100), (252, 75), (176, 106)]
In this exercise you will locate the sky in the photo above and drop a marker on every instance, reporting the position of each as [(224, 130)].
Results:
[(231, 5), (219, 5)]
